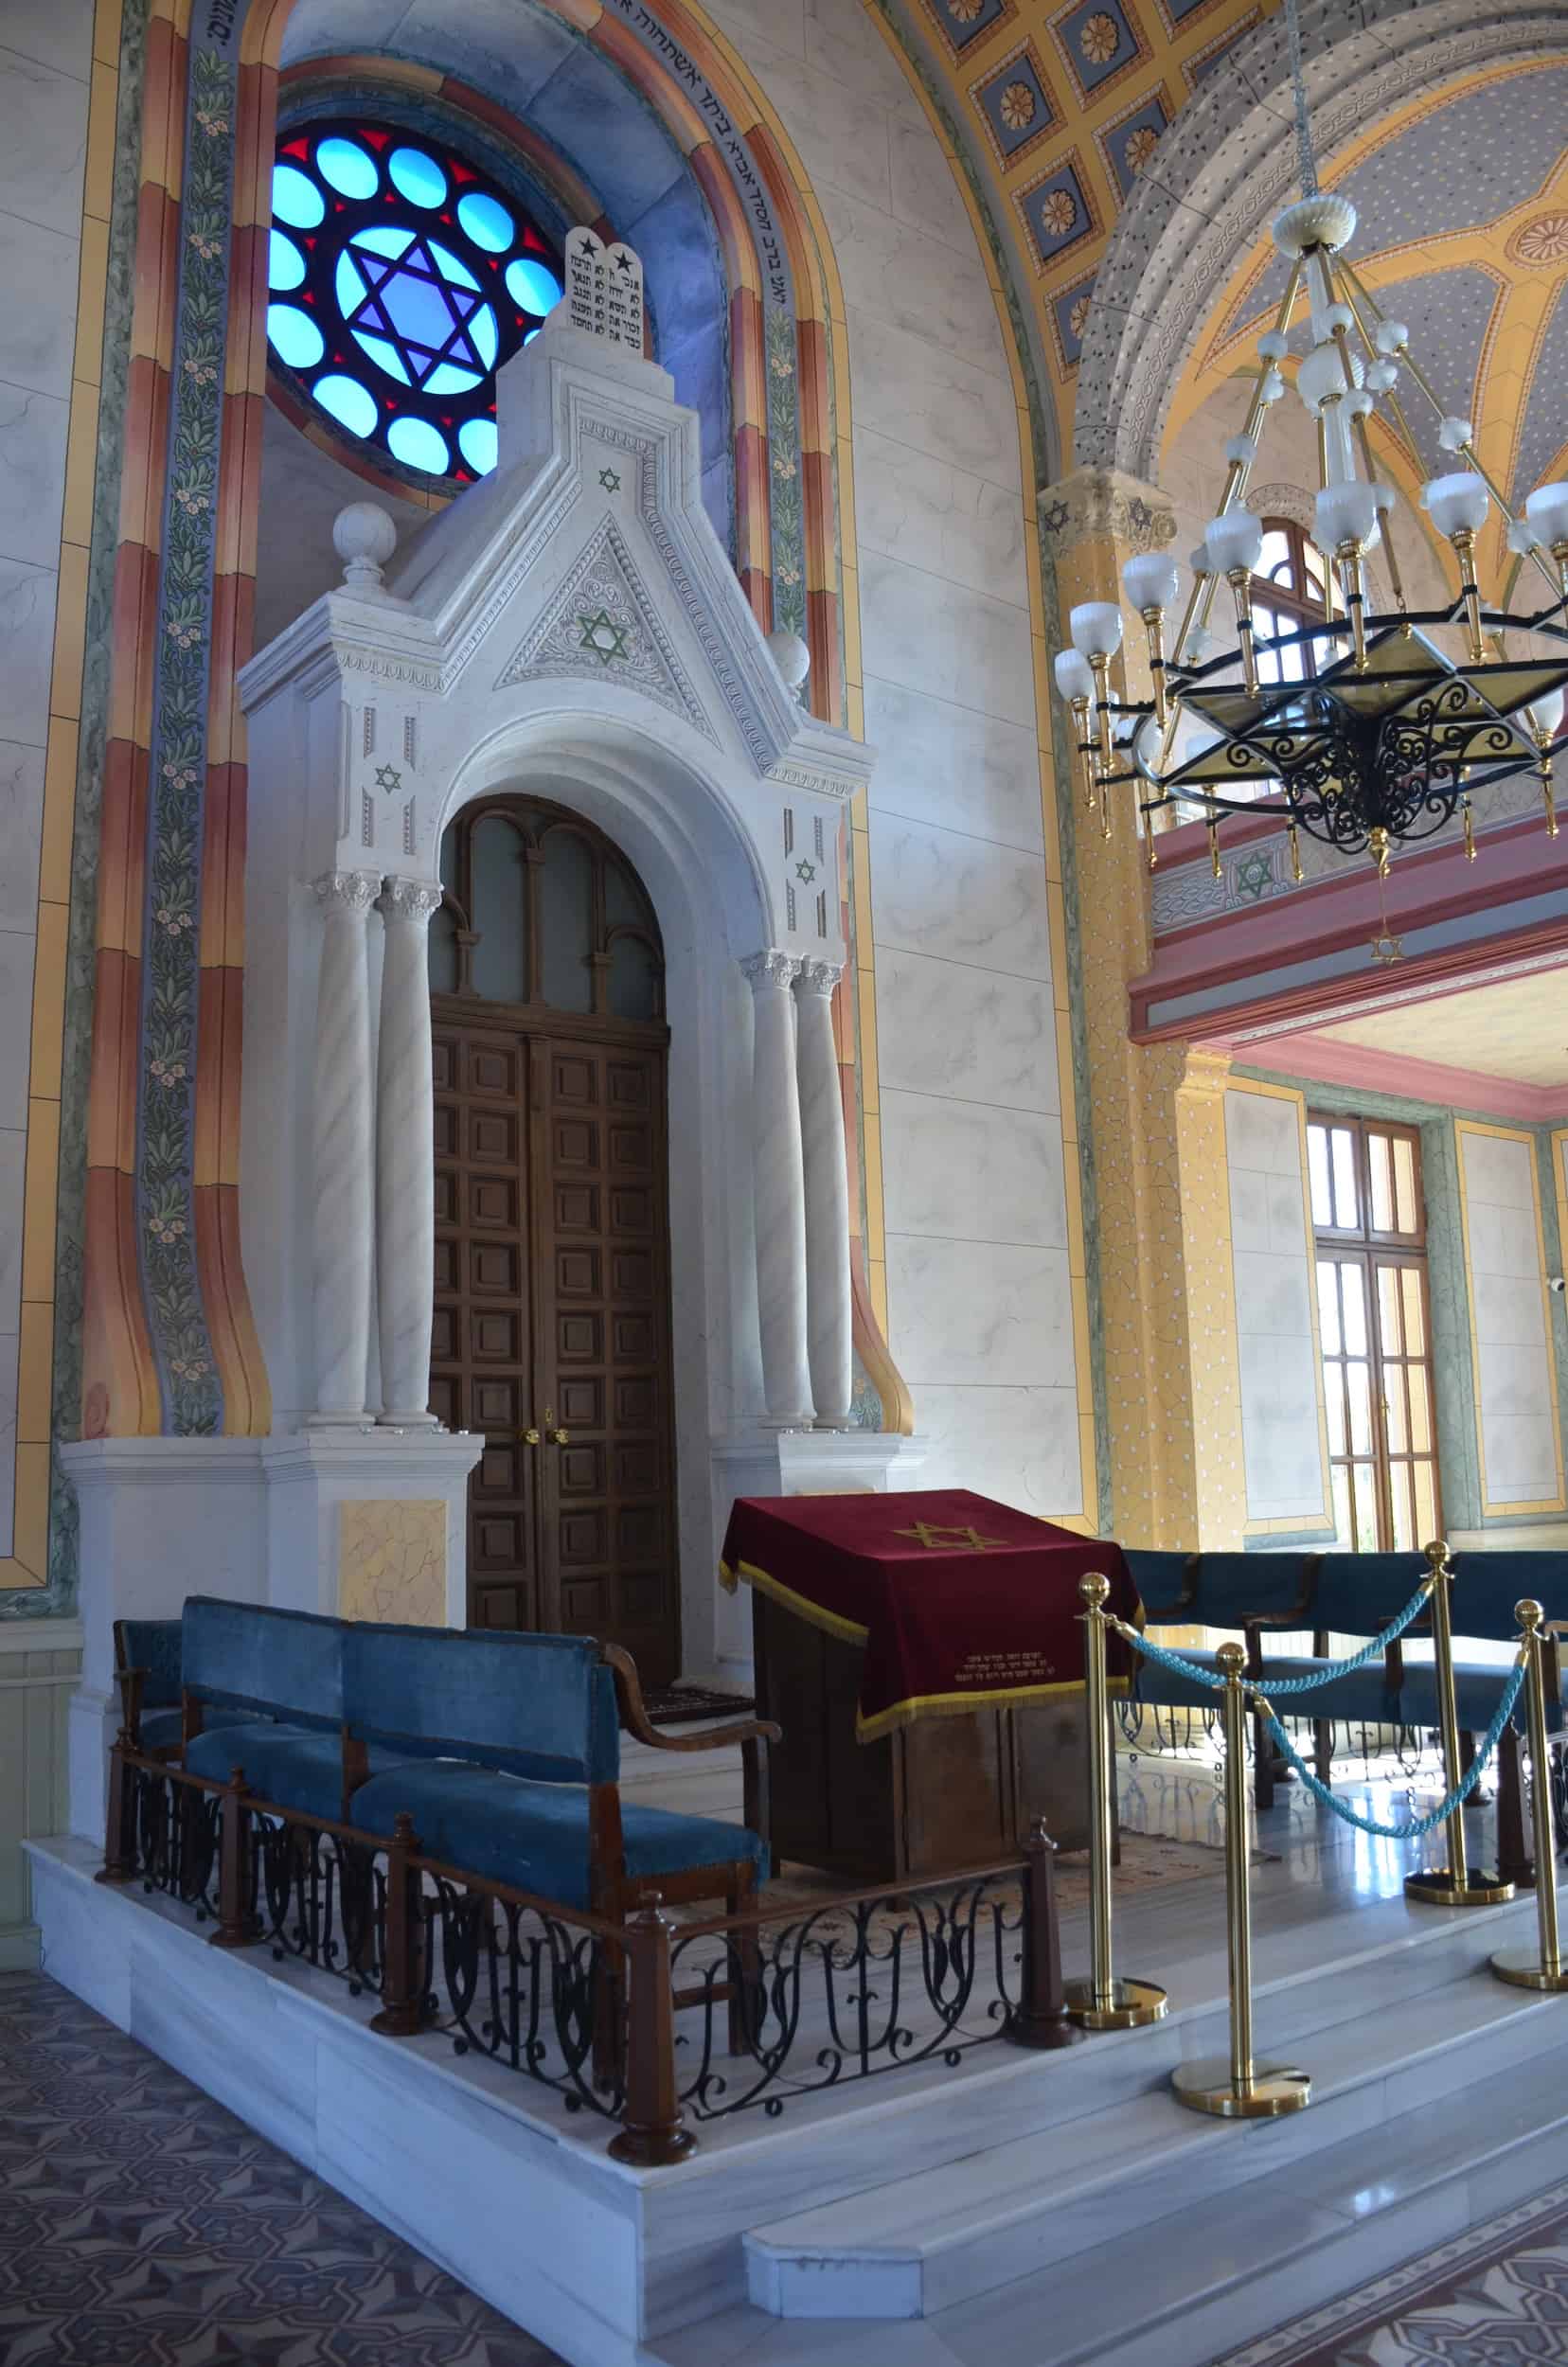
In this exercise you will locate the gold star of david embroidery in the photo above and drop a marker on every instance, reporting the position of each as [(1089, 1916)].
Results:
[(940, 1537)]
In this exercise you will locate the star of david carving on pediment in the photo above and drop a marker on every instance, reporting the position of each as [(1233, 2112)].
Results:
[(603, 621)]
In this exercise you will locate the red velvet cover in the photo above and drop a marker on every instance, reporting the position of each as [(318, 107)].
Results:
[(958, 1601)]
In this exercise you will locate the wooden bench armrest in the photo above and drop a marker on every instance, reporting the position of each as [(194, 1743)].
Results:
[(635, 1717), (131, 1682)]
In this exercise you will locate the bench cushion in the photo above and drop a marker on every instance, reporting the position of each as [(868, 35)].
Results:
[(286, 1663), (1477, 1690), (535, 1705), (160, 1729), (294, 1767), (1163, 1580), (535, 1836)]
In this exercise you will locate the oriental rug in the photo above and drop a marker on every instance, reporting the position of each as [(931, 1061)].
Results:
[(1494, 2297)]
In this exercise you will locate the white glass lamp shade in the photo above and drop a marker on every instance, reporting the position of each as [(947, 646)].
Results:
[(1522, 538), (1455, 502), (1097, 627), (1073, 677), (1454, 432), (1346, 513), (1547, 512), (1233, 542), (1149, 580), (1391, 337), (1545, 715)]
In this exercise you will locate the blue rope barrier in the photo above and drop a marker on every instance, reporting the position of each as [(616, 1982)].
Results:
[(1414, 1826), (1209, 1677)]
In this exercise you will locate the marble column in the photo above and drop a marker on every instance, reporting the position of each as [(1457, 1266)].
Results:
[(827, 1179), (780, 1192), (405, 1152), (344, 1172)]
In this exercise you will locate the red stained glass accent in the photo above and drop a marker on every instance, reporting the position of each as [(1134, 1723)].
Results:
[(374, 139), (295, 148), (460, 173)]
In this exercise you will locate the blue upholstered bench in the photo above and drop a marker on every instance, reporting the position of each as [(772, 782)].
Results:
[(1250, 1592), (146, 1668), (282, 1672)]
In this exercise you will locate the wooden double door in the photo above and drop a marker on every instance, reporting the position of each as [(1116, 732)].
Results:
[(552, 1324)]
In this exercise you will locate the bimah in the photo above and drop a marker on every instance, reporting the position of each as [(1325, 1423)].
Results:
[(924, 1655)]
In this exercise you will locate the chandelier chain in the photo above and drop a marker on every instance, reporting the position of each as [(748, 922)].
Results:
[(1307, 162)]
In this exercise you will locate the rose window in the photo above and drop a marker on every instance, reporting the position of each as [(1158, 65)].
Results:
[(401, 279)]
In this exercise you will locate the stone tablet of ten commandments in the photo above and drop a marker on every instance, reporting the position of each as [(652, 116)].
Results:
[(604, 288)]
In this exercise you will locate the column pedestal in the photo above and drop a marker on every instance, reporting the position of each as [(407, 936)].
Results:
[(371, 1523)]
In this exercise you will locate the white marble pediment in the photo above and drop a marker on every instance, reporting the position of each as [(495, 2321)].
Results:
[(602, 626)]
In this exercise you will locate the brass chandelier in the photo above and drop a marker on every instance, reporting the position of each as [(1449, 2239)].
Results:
[(1358, 726)]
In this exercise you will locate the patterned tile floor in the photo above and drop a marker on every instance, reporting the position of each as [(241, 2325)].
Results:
[(141, 2225), (1495, 2297)]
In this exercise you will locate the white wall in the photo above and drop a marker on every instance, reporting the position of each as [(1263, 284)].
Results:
[(980, 1306), (46, 63), (1282, 1438), (1515, 1379)]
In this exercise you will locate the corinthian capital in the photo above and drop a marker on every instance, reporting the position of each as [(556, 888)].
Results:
[(356, 891), (409, 899), (818, 977), (769, 969)]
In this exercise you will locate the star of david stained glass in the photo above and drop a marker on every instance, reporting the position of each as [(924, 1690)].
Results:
[(401, 279)]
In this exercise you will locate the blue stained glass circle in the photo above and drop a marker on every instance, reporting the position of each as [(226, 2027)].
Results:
[(418, 177), (418, 445), (348, 401), (477, 441), (285, 263), (534, 286), (394, 322), (294, 336), (296, 199), (487, 222), (351, 168)]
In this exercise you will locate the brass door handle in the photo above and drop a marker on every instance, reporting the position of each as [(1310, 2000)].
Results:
[(558, 1439), (529, 1438)]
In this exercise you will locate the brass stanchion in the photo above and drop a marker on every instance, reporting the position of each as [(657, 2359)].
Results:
[(1102, 2001), (1238, 2089), (1455, 1884), (1544, 1968)]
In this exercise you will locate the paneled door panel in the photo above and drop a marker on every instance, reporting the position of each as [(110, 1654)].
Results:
[(481, 1351), (606, 1498), (552, 1317)]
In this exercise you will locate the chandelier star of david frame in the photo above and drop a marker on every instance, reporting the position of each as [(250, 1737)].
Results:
[(401, 278), (1370, 728)]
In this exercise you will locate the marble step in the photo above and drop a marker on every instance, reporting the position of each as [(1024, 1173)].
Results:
[(919, 2245)]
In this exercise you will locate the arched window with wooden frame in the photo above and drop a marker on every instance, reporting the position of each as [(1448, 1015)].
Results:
[(541, 913), (1286, 596)]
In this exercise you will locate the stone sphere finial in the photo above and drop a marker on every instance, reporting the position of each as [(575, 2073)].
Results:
[(792, 657), (363, 535)]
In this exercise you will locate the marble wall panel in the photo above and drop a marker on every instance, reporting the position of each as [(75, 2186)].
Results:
[(38, 302), (972, 1035), (963, 1172), (943, 520), (32, 471), (843, 142), (959, 898), (947, 764), (933, 200), (51, 32), (42, 140), (1277, 1352), (1515, 1381), (893, 271), (924, 633), (846, 44), (1018, 1445), (21, 824), (27, 645), (954, 406), (979, 1311)]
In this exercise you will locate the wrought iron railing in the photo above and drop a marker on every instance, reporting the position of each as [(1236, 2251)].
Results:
[(650, 2023)]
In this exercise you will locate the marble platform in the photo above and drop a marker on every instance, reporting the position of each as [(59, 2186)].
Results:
[(965, 2209)]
